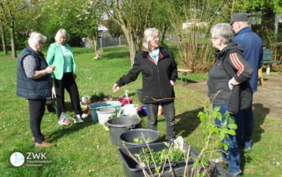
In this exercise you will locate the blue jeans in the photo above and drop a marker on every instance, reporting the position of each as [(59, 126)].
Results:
[(169, 114), (232, 155), (245, 122)]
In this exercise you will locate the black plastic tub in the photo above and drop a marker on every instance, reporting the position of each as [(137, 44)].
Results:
[(119, 125), (131, 168), (128, 137)]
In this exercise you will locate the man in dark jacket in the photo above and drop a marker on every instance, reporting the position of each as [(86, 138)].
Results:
[(253, 52), (159, 72)]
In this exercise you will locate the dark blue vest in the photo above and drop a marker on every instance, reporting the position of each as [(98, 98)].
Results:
[(33, 88)]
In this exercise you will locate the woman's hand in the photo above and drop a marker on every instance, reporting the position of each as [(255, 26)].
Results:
[(49, 69), (115, 88), (74, 76), (172, 83)]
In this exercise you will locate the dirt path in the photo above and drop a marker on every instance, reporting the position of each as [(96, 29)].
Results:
[(267, 100)]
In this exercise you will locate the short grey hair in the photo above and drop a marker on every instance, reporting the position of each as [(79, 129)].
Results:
[(222, 31), (61, 32), (148, 36), (36, 38)]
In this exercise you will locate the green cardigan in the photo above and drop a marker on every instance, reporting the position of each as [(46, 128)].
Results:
[(55, 57)]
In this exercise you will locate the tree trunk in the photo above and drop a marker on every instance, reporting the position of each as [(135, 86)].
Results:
[(3, 39), (130, 40), (93, 43), (12, 33)]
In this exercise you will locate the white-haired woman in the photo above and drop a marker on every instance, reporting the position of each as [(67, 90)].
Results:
[(61, 56), (34, 83), (228, 86), (159, 71)]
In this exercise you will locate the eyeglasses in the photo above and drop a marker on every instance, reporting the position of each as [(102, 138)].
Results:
[(213, 38), (232, 24)]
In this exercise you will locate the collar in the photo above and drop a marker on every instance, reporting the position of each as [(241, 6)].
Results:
[(244, 30), (163, 53)]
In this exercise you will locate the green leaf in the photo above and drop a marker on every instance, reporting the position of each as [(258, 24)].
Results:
[(221, 135), (225, 146), (217, 108), (231, 132), (205, 162), (232, 126)]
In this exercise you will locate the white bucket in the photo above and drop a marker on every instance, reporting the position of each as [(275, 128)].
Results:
[(130, 109), (104, 114)]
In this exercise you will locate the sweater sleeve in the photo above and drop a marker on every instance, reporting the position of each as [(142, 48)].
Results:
[(131, 75), (243, 68), (29, 65)]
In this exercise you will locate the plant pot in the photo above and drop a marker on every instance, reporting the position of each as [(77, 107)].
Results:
[(119, 125), (129, 136), (131, 168)]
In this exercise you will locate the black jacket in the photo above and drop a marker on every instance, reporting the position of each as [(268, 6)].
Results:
[(33, 88), (156, 78), (232, 58)]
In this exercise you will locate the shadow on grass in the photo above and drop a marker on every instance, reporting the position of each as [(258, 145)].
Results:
[(187, 124), (71, 128)]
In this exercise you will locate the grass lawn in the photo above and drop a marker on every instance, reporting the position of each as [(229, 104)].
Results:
[(86, 149)]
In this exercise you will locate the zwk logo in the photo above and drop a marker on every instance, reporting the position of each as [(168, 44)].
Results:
[(32, 155), (17, 159)]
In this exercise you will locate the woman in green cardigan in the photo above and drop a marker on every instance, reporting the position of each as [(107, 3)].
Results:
[(61, 56)]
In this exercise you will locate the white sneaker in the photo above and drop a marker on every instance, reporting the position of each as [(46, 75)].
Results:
[(79, 120), (84, 115)]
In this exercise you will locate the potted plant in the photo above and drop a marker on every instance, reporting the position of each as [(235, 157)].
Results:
[(195, 163)]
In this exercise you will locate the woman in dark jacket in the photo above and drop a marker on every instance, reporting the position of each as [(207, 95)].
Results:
[(222, 84), (159, 72)]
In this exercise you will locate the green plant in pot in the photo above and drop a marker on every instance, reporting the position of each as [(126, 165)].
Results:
[(201, 160)]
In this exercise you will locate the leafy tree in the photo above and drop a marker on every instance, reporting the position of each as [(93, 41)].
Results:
[(113, 28), (133, 16), (12, 11), (80, 18), (190, 22), (2, 30)]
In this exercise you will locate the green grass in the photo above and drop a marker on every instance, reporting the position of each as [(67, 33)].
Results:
[(86, 149)]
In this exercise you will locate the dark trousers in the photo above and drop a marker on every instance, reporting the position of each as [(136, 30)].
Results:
[(245, 122), (169, 114), (36, 112), (68, 83)]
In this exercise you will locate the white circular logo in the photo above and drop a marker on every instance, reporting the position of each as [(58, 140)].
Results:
[(17, 159)]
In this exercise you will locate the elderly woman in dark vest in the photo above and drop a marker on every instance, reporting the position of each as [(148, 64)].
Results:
[(34, 83)]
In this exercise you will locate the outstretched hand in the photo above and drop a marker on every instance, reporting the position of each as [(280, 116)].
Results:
[(115, 88)]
